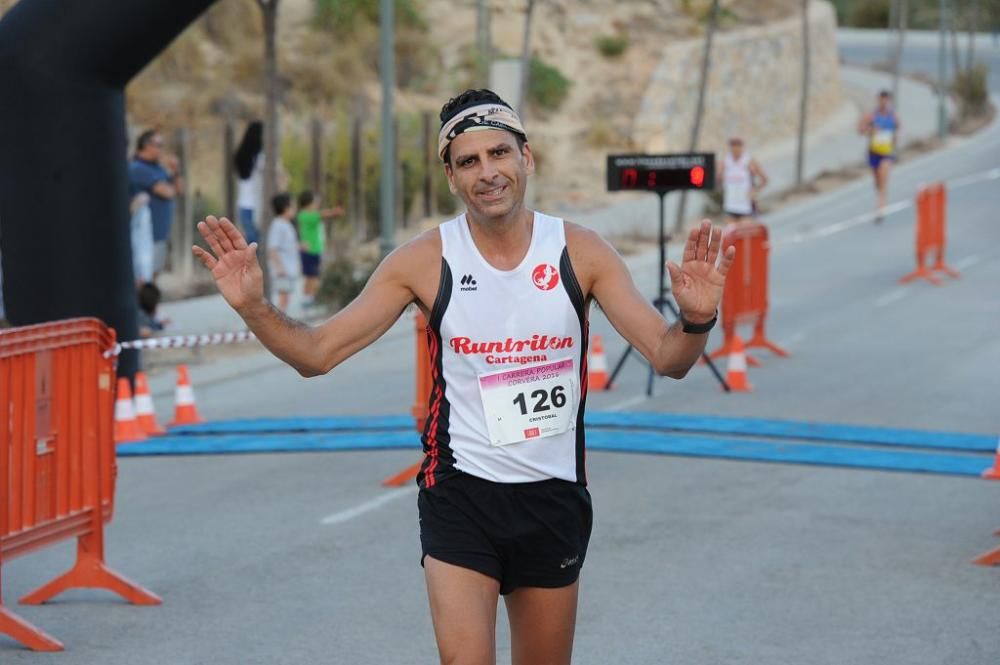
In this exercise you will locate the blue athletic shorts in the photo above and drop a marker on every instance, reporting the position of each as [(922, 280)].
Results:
[(875, 159)]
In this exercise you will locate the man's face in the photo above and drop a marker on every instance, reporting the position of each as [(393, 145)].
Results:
[(154, 148), (736, 148), (883, 102), (488, 172)]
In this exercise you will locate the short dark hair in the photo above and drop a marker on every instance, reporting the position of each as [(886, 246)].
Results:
[(149, 297), (144, 139), (281, 203), (885, 93), (306, 198), (467, 99)]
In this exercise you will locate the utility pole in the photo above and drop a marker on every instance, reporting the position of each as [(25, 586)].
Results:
[(483, 45), (800, 153), (387, 191), (706, 61), (942, 76)]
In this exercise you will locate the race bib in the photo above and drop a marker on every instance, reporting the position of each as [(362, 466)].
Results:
[(530, 402), (882, 142)]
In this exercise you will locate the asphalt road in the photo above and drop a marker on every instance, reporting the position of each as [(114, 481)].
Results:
[(305, 559)]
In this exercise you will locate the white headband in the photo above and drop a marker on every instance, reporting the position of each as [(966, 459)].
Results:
[(477, 118)]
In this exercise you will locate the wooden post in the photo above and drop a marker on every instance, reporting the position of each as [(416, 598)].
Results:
[(181, 259), (316, 157), (357, 180), (399, 213), (429, 154), (229, 169)]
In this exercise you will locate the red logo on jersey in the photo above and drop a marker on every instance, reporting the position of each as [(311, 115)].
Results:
[(545, 276), (531, 433)]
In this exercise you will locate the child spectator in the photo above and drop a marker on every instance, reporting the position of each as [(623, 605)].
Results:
[(283, 251), (312, 232), (149, 300)]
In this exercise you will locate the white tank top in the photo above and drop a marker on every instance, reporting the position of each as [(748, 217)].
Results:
[(738, 181), (509, 360)]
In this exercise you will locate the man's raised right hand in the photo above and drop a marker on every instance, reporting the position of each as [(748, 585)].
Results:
[(234, 265)]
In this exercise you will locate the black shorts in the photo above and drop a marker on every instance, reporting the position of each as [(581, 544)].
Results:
[(310, 264), (520, 534)]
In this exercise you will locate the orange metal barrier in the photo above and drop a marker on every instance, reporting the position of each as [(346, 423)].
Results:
[(932, 216), (991, 558), (421, 399), (57, 458), (744, 300)]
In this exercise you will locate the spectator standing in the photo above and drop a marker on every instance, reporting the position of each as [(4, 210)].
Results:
[(249, 162), (312, 232), (155, 173), (283, 251)]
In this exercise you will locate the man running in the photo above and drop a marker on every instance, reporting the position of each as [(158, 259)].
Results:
[(881, 127), (503, 504), (742, 179)]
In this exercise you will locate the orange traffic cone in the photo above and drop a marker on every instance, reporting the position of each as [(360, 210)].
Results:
[(993, 473), (144, 411), (597, 366), (185, 411), (127, 428), (736, 376)]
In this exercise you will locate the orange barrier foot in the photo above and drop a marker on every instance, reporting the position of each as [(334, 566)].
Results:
[(920, 273), (989, 559), (403, 477), (23, 632), (760, 341), (948, 270), (90, 572)]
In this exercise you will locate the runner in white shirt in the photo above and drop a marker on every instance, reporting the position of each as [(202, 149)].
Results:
[(742, 179), (503, 505)]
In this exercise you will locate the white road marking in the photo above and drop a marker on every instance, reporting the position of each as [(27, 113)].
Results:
[(837, 227), (891, 209), (967, 262), (891, 297), (624, 404), (975, 178), (368, 506)]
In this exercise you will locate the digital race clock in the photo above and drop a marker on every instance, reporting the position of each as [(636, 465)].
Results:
[(661, 173)]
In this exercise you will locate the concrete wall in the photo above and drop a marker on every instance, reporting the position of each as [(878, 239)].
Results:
[(753, 88)]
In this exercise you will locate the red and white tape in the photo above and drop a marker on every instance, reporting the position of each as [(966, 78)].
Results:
[(182, 341)]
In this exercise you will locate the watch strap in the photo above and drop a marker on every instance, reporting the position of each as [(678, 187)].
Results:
[(698, 328)]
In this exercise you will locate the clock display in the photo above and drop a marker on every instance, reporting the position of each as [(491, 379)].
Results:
[(661, 173)]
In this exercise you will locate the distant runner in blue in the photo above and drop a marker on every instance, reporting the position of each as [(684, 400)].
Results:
[(881, 127)]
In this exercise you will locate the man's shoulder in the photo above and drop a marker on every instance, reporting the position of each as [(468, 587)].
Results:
[(421, 251), (582, 236)]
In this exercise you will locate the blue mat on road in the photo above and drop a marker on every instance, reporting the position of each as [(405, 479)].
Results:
[(605, 440), (792, 429), (755, 427), (279, 425)]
